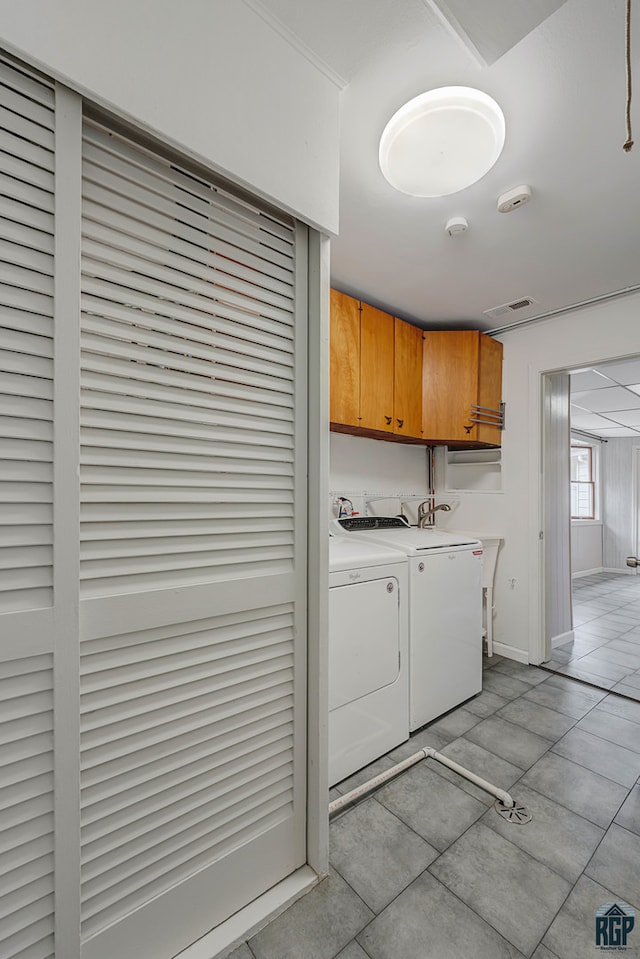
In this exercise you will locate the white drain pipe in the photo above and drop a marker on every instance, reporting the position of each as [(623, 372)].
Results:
[(426, 753)]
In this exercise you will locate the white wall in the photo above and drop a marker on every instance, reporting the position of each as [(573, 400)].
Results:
[(583, 337), (586, 546), (210, 76), (618, 502), (359, 467)]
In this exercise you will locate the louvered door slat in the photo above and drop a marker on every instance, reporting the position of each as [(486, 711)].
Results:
[(22, 102), (229, 353), (23, 256), (158, 639), (192, 244), (17, 164), (153, 281), (186, 201), (26, 214), (25, 427), (100, 296), (136, 164), (108, 772), (153, 209), (190, 271), (190, 481), (141, 823), (26, 335), (26, 236), (146, 659), (145, 857), (29, 195), (102, 800), (34, 941), (224, 337), (23, 126), (151, 707), (26, 279), (150, 341), (174, 395), (15, 78), (163, 435), (24, 149), (26, 807)]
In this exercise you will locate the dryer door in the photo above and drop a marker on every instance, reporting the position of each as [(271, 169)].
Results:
[(364, 638)]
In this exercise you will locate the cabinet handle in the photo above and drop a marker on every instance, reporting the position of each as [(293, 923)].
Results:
[(388, 419), (400, 423)]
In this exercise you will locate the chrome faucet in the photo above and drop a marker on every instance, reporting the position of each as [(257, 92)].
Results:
[(425, 512)]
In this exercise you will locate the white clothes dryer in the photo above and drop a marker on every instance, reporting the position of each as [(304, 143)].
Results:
[(368, 654), (445, 610)]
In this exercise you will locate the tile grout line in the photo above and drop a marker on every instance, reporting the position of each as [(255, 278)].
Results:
[(584, 875), (585, 682)]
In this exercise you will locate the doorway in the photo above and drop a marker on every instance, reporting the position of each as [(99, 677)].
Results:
[(601, 645)]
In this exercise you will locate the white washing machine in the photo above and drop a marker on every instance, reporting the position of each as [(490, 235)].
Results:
[(368, 654), (445, 610)]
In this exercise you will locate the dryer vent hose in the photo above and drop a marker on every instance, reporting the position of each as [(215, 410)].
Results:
[(348, 799)]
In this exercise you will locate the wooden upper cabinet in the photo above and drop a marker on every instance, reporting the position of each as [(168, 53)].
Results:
[(344, 351), (461, 387), (407, 398), (362, 366), (391, 380), (376, 369)]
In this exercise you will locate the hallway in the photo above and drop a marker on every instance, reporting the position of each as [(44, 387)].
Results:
[(606, 647)]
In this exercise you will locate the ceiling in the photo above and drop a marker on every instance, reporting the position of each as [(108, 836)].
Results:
[(605, 400), (557, 70)]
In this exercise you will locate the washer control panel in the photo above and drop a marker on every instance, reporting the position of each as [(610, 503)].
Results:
[(357, 523)]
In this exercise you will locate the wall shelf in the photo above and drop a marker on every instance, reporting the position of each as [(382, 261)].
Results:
[(473, 470)]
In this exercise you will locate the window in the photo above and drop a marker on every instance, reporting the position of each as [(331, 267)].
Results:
[(583, 487)]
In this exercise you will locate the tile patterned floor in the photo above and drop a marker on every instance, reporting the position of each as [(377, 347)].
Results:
[(426, 869), (606, 647)]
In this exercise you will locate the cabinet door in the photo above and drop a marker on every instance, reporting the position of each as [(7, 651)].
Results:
[(344, 359), (407, 400), (376, 369), (490, 386), (450, 384)]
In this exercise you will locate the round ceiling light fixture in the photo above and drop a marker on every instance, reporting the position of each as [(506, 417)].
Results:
[(442, 141)]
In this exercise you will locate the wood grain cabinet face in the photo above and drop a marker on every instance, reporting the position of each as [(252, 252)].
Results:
[(376, 369), (344, 403), (407, 396), (388, 378), (461, 371)]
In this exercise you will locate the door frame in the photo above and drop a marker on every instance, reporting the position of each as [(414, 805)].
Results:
[(540, 647), (635, 501)]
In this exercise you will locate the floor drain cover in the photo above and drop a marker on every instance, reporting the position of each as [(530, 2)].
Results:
[(518, 814)]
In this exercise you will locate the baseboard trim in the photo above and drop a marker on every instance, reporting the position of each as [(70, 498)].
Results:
[(562, 638), (588, 572), (511, 652), (627, 571), (253, 917)]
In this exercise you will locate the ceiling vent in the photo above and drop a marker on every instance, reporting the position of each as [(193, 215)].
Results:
[(508, 308)]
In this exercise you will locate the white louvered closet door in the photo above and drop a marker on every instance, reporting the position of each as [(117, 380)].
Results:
[(27, 133), (193, 557)]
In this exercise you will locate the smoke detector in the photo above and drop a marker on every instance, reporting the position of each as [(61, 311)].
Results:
[(514, 198), (456, 225), (506, 308)]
